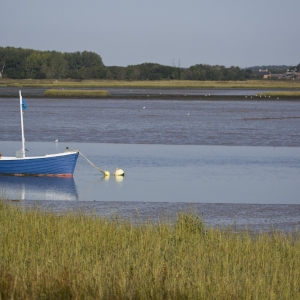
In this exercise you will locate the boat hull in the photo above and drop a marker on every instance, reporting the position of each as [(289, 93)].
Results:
[(60, 165)]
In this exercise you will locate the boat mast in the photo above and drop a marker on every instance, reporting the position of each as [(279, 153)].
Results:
[(22, 126)]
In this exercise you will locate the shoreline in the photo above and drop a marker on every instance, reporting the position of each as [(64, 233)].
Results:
[(171, 98), (157, 94), (254, 217)]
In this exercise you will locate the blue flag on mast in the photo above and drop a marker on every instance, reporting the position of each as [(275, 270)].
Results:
[(24, 105)]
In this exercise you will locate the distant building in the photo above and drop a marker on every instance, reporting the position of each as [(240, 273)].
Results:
[(279, 76), (265, 73), (292, 74), (289, 74)]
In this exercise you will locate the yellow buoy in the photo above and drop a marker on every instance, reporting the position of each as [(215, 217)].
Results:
[(119, 172)]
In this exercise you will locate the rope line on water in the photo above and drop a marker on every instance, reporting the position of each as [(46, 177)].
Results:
[(104, 172)]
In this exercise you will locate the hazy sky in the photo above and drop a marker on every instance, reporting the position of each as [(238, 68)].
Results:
[(225, 32)]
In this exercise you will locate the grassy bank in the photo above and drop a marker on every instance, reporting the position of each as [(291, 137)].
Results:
[(248, 84), (289, 94), (77, 256), (76, 93)]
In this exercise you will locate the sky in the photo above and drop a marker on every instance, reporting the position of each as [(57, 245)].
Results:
[(169, 32)]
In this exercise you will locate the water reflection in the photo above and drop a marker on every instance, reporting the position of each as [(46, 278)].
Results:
[(119, 178), (105, 178), (38, 188)]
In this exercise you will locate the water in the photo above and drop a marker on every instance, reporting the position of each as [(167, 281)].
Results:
[(142, 92), (235, 123), (173, 154), (166, 173)]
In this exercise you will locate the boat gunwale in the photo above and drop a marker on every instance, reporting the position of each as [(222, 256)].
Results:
[(39, 157)]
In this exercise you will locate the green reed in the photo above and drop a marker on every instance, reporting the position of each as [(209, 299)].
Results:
[(68, 83), (76, 93), (84, 256), (289, 94)]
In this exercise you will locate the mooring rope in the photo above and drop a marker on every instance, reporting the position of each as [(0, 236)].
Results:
[(106, 173)]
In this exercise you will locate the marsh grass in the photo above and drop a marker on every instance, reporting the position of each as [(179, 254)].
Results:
[(76, 93), (289, 94), (67, 83), (78, 256)]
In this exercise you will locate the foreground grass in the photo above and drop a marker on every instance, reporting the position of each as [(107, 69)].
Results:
[(77, 256), (247, 84), (76, 93)]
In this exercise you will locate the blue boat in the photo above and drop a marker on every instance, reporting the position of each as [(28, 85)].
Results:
[(61, 164)]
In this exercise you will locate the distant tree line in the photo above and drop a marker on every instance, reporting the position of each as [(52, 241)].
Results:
[(152, 71), (27, 63)]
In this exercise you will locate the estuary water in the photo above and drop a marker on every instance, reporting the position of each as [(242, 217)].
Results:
[(234, 123), (235, 162), (166, 173)]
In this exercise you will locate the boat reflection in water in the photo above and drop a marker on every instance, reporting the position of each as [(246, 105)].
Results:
[(38, 188)]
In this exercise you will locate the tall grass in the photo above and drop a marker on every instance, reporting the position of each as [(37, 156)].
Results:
[(78, 256), (67, 83), (76, 93)]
